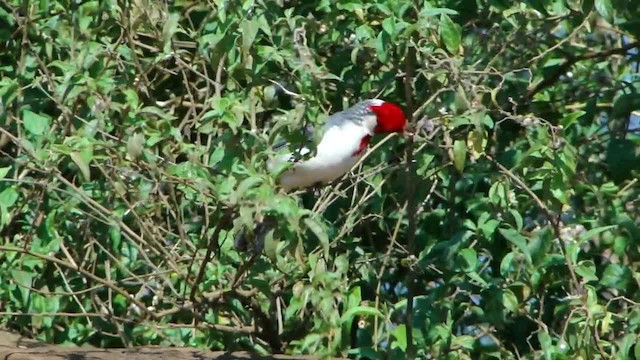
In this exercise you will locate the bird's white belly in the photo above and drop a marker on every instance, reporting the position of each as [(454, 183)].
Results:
[(316, 170), (334, 157)]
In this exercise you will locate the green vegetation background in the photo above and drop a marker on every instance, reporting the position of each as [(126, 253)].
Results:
[(132, 145)]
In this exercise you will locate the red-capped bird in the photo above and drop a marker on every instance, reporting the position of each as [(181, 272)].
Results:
[(345, 138)]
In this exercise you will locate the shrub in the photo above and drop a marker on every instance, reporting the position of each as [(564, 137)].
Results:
[(133, 141)]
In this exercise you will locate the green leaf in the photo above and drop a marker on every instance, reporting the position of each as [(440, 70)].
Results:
[(210, 40), (624, 105), (605, 325), (35, 124), (8, 87), (271, 245), (468, 259), (400, 335), (498, 193), (249, 30), (487, 225), (464, 341), (478, 140), (82, 164), (625, 345), (518, 219), (264, 25), (460, 101), (21, 277), (4, 171), (349, 6), (518, 240), (364, 32), (506, 264), (24, 280), (8, 197), (382, 43), (459, 154), (246, 185), (131, 96), (450, 34), (460, 121), (587, 270), (318, 230), (595, 231), (433, 11), (605, 9), (617, 276), (7, 17), (216, 156), (355, 297), (545, 343), (169, 29), (571, 118), (389, 25), (477, 278), (560, 189)]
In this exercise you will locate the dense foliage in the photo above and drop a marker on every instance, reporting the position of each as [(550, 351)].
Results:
[(133, 141)]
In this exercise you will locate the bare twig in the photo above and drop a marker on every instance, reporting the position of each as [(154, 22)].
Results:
[(213, 244), (82, 271), (564, 67)]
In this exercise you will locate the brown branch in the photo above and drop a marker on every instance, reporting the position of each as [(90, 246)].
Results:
[(572, 60), (213, 244)]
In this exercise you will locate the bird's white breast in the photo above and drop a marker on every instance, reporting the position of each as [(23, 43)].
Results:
[(334, 157)]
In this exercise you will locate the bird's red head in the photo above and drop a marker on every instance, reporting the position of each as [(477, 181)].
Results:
[(390, 117)]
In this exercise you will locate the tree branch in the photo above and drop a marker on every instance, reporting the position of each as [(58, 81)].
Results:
[(572, 60)]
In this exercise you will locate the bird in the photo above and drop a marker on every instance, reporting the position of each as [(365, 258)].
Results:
[(344, 140)]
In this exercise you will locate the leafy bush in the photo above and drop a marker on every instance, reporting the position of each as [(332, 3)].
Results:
[(133, 141)]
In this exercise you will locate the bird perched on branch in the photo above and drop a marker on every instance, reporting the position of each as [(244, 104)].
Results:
[(345, 138)]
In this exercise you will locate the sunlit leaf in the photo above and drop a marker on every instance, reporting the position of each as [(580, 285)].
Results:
[(4, 171), (320, 233), (389, 25), (459, 154), (36, 124), (450, 34), (518, 240), (545, 343), (469, 259), (605, 9)]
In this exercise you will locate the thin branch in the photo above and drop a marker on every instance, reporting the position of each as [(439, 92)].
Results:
[(561, 42), (213, 244), (82, 271), (564, 67)]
